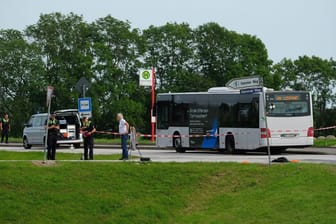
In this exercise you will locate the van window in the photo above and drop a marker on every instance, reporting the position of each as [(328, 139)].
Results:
[(31, 121), (37, 122)]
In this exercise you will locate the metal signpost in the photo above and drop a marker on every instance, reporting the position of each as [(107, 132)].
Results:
[(267, 134), (245, 82), (50, 90), (84, 104), (147, 78)]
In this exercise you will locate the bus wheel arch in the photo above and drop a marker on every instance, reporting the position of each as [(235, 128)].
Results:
[(230, 143), (177, 142)]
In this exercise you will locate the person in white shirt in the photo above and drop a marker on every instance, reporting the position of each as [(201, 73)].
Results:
[(123, 131)]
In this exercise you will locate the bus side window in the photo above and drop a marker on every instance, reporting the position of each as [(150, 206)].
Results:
[(248, 114), (180, 114), (163, 115), (243, 114), (225, 115)]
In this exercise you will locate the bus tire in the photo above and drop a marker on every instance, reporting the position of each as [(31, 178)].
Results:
[(177, 141), (230, 144)]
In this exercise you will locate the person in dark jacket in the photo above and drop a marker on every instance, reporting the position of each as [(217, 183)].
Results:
[(88, 129), (53, 128), (5, 128)]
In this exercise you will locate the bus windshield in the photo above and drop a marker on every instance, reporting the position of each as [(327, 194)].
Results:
[(288, 104)]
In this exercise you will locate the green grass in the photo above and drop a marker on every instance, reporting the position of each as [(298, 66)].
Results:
[(325, 142), (14, 140), (167, 193), (8, 155)]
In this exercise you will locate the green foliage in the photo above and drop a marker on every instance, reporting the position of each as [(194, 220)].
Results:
[(223, 55), (98, 192), (169, 49), (115, 85), (20, 84), (65, 44)]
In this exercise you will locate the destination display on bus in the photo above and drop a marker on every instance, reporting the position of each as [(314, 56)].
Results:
[(287, 97)]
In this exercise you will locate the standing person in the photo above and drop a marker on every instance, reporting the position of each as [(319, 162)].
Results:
[(123, 131), (53, 127), (5, 127), (88, 130)]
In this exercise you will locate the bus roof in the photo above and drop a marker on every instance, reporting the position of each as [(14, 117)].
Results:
[(228, 90)]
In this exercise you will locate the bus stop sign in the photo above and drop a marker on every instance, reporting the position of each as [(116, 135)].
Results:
[(245, 82), (85, 107), (251, 90)]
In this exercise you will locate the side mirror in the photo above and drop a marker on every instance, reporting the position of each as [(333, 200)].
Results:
[(28, 125)]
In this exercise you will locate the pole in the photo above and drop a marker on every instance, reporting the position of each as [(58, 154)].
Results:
[(267, 130), (153, 101), (83, 86), (46, 135)]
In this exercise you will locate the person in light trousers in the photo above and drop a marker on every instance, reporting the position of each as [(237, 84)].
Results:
[(123, 131)]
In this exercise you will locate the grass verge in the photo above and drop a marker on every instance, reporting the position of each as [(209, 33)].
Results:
[(8, 155), (167, 193), (325, 142)]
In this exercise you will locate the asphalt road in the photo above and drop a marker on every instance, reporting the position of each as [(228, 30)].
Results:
[(310, 155)]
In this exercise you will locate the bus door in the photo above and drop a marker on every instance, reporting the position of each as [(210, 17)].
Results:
[(203, 124)]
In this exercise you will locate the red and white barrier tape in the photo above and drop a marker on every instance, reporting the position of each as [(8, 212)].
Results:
[(326, 128), (216, 135)]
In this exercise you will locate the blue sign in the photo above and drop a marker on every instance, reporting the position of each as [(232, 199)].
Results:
[(251, 91), (84, 105)]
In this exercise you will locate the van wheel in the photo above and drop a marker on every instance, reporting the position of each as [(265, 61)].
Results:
[(230, 144), (177, 141), (26, 144)]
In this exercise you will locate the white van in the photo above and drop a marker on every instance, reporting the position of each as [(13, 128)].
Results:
[(70, 125)]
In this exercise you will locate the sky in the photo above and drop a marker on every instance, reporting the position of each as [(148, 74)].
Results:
[(288, 28)]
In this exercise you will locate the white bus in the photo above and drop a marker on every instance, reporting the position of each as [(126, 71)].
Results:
[(227, 119)]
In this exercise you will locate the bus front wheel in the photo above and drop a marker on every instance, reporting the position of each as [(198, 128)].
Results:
[(178, 144), (230, 144)]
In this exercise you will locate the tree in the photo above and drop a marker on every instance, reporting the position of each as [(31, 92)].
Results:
[(66, 48), (116, 53), (170, 49), (20, 87), (223, 55)]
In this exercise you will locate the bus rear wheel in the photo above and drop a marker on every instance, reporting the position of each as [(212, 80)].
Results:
[(230, 145), (178, 144)]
